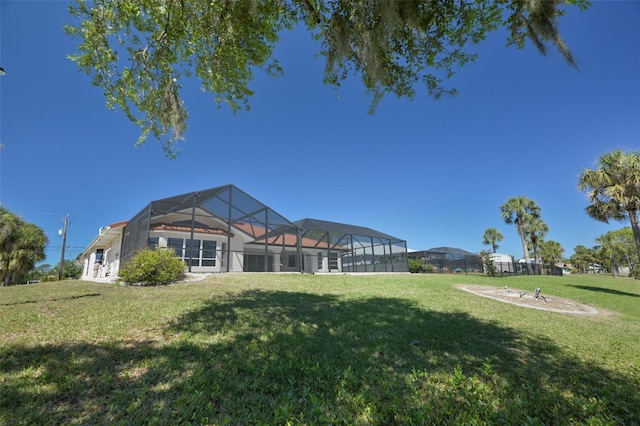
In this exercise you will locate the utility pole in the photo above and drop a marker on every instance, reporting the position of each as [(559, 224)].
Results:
[(65, 220), (2, 72)]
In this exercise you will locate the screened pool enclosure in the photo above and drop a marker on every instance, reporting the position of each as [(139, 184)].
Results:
[(449, 259), (224, 229), (359, 249)]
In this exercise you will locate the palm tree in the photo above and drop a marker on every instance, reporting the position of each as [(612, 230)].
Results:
[(536, 229), (520, 210), (29, 249), (22, 245), (492, 237), (582, 258), (9, 226), (551, 252), (613, 189), (620, 249), (607, 250)]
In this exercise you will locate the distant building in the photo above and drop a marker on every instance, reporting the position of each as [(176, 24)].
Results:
[(449, 259), (503, 262), (562, 268)]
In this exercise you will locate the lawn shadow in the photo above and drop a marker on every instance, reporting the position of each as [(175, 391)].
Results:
[(604, 290), (28, 302), (265, 357)]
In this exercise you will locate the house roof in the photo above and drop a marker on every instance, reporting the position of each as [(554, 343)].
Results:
[(290, 240), (107, 235), (184, 228), (118, 224)]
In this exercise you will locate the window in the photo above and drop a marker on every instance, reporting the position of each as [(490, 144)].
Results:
[(255, 263), (176, 244), (224, 254), (320, 258), (289, 259), (194, 252), (333, 260), (153, 242), (208, 253), (99, 255)]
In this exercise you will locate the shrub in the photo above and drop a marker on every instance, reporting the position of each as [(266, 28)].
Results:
[(417, 266), (489, 267), (153, 267)]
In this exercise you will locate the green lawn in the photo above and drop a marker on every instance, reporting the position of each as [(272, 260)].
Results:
[(318, 349)]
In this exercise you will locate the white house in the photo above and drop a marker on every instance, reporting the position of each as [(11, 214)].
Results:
[(101, 259), (224, 229)]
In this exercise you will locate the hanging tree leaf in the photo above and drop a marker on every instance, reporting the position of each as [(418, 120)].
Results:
[(138, 51)]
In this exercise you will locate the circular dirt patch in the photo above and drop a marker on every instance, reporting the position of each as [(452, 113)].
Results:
[(528, 299)]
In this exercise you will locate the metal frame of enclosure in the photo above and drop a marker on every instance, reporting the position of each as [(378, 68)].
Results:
[(359, 249), (448, 259), (227, 203)]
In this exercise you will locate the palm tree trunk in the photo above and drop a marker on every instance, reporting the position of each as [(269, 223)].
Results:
[(525, 249), (614, 267), (635, 227), (536, 257)]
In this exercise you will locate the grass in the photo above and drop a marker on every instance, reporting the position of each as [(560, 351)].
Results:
[(318, 349)]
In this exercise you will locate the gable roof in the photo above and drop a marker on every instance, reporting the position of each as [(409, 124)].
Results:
[(107, 235)]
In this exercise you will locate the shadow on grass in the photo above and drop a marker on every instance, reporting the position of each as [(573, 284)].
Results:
[(270, 357), (604, 290), (27, 302)]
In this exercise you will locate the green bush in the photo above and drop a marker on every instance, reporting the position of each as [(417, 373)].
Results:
[(153, 267), (489, 267), (417, 266)]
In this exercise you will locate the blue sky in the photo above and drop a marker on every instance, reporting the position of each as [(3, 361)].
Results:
[(431, 172)]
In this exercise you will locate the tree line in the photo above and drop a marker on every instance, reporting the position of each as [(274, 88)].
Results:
[(22, 247), (612, 250), (613, 194), (526, 215)]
